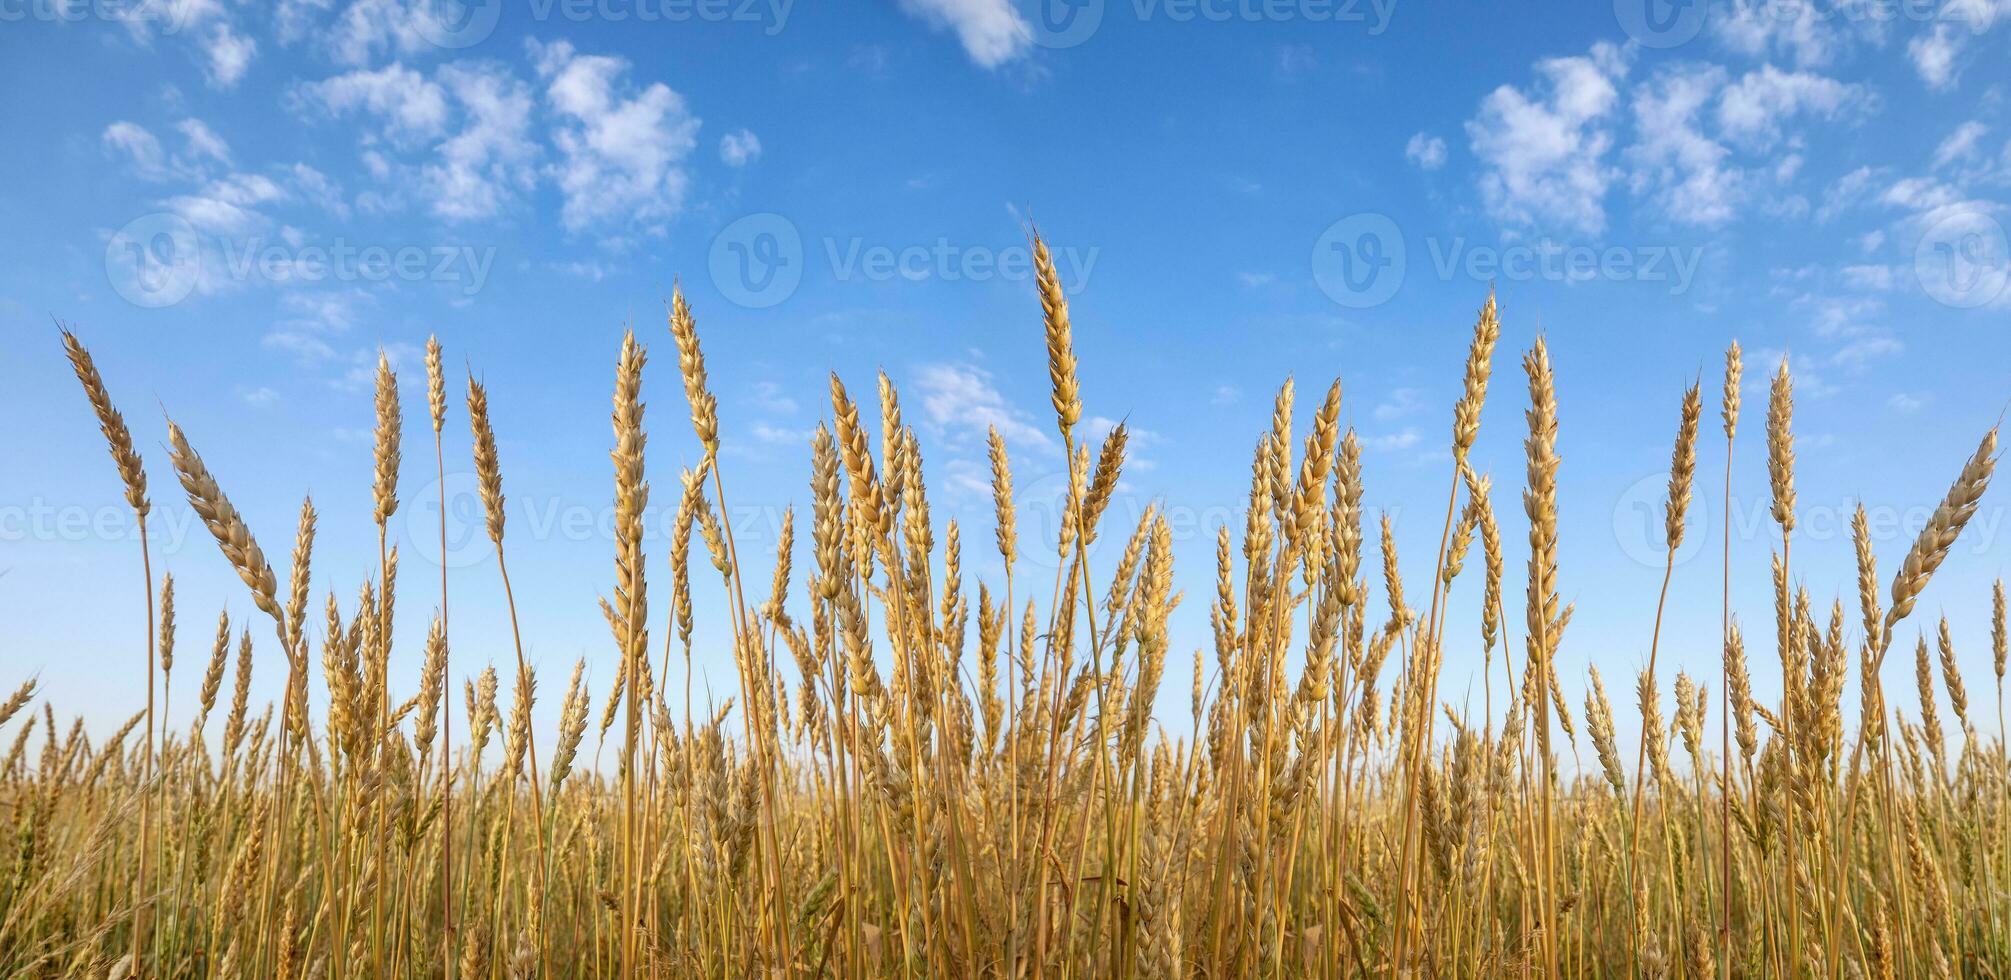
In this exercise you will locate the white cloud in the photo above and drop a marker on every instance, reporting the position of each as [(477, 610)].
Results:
[(139, 147), (1684, 169), (589, 269), (1933, 56), (1839, 318), (413, 107), (1861, 352), (228, 209), (1753, 108), (1921, 194), (1294, 59), (203, 141), (474, 117), (245, 190), (961, 401), (1256, 280), (214, 216), (1690, 119), (1401, 402), (1793, 207), (1760, 27), (1948, 213), (1393, 442), (1811, 379), (315, 187), (1873, 277), (1935, 53), (1906, 404), (1844, 193), (1960, 145), (491, 155), (1427, 151), (970, 478), (294, 20), (312, 320), (1851, 323), (229, 54), (781, 436), (772, 398), (1543, 152), (143, 20), (367, 27), (261, 397), (1096, 428), (1225, 395), (622, 149), (223, 53), (739, 148), (991, 30), (149, 160), (362, 372), (1849, 339)]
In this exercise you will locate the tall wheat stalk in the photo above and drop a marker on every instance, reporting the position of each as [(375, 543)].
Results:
[(1728, 412), (436, 403), (1682, 473), (890, 812), (133, 473)]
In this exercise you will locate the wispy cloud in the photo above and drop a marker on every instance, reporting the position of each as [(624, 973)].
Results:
[(961, 401), (991, 31)]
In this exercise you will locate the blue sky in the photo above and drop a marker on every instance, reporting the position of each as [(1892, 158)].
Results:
[(239, 205)]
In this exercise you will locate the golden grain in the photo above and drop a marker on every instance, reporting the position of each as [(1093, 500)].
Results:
[(896, 809)]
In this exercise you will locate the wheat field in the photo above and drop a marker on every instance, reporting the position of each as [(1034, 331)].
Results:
[(912, 783)]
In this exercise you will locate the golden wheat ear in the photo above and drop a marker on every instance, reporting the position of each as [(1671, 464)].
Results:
[(218, 514), (113, 424), (18, 700), (1946, 524)]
